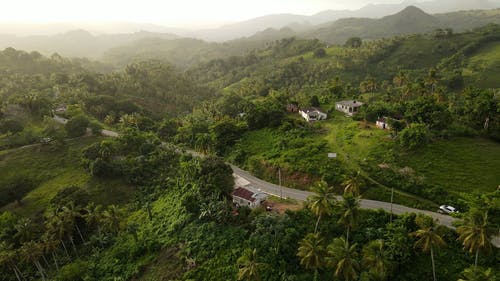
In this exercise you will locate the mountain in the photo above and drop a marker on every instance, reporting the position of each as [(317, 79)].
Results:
[(249, 27), (76, 43), (410, 20), (300, 22)]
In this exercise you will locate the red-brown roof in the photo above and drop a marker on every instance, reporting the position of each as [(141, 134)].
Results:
[(244, 193)]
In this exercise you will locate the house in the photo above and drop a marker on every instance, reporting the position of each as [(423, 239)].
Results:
[(349, 107), (247, 196), (61, 109), (383, 123), (312, 114), (292, 107)]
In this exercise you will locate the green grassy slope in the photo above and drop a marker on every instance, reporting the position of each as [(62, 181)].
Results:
[(458, 165), (55, 170), (483, 67)]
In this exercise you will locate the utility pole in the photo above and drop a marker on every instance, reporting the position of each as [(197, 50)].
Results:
[(392, 197), (279, 183)]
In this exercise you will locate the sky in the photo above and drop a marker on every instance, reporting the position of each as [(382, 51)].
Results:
[(165, 12)]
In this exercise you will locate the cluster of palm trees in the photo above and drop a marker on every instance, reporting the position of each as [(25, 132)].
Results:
[(62, 228), (343, 257), (340, 254)]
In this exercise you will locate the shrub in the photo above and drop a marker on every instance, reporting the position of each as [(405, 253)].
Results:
[(77, 126), (415, 135)]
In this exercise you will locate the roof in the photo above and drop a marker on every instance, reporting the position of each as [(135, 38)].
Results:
[(351, 103), (311, 109), (244, 193), (383, 120)]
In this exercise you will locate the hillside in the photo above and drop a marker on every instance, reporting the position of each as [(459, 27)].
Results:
[(411, 20), (76, 43)]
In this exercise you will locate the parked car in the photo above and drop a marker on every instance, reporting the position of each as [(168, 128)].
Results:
[(445, 209)]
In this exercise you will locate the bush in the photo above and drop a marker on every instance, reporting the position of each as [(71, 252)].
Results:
[(95, 127), (73, 271), (319, 53), (77, 126), (10, 126), (415, 135)]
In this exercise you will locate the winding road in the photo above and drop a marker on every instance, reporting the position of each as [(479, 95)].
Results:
[(243, 178)]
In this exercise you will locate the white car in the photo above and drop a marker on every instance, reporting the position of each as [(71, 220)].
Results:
[(445, 209)]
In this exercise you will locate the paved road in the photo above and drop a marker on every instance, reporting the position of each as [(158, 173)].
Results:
[(106, 133), (301, 195)]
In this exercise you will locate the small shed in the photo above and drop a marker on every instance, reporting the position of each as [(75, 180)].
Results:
[(383, 123), (313, 114), (349, 107)]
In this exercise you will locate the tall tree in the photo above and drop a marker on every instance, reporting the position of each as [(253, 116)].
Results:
[(248, 266), (31, 252), (343, 257), (349, 212), (476, 233), (7, 258), (376, 258), (428, 239), (312, 252), (112, 218), (50, 245), (71, 213), (322, 202), (353, 184)]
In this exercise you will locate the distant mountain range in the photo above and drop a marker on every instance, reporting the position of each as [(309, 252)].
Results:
[(252, 26), (410, 20), (278, 21), (121, 49)]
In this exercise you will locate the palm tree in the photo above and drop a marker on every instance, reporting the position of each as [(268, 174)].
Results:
[(353, 184), (7, 259), (344, 259), (70, 214), (31, 252), (50, 244), (111, 218), (24, 230), (55, 226), (93, 216), (349, 212), (476, 233), (322, 202), (428, 240), (375, 257), (248, 266), (478, 274), (312, 252)]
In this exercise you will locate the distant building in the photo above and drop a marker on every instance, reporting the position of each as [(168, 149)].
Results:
[(247, 196), (292, 107), (312, 114), (61, 109), (349, 107), (383, 123)]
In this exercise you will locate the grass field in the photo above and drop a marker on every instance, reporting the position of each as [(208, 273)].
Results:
[(460, 165), (55, 170), (484, 66)]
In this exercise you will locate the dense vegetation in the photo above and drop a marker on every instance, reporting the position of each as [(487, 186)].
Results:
[(75, 206)]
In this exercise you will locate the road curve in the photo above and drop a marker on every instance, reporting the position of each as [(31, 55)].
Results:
[(301, 195)]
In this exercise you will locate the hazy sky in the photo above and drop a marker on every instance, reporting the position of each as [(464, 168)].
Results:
[(167, 12)]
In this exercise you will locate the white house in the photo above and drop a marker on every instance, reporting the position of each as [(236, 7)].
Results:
[(247, 196), (383, 123), (312, 114), (349, 107)]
